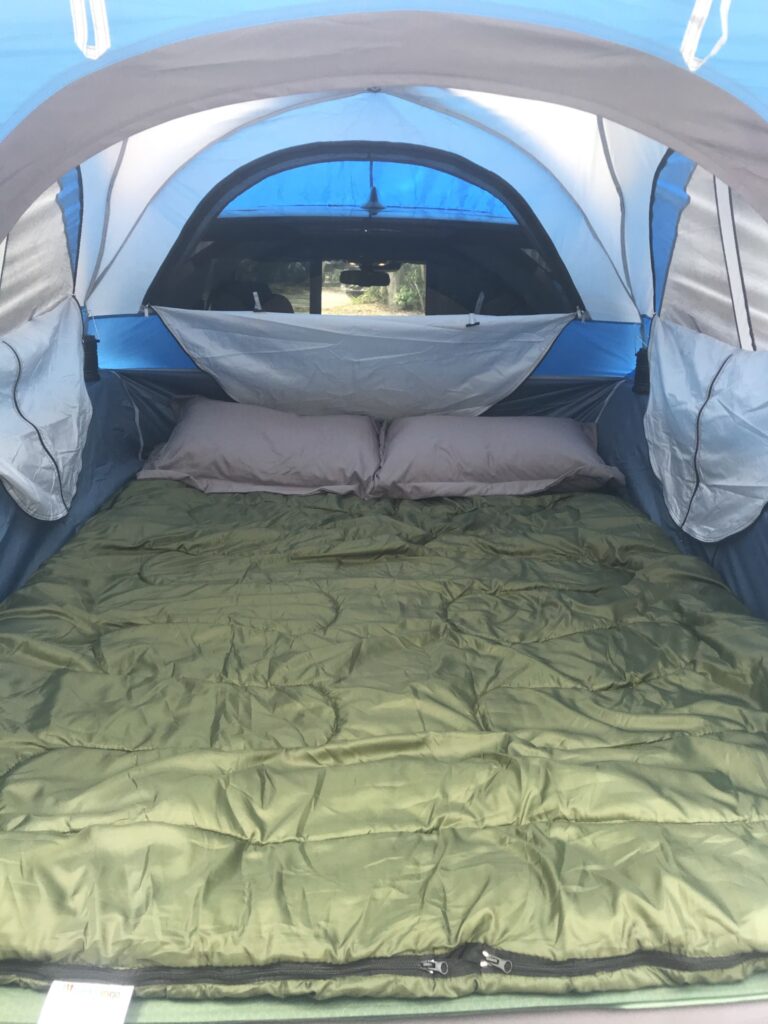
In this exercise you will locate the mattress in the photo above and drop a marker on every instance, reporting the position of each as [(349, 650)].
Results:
[(264, 745)]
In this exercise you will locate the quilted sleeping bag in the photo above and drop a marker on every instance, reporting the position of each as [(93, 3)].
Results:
[(255, 744)]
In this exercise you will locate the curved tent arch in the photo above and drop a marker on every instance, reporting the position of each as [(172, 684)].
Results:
[(656, 27), (384, 48), (592, 259)]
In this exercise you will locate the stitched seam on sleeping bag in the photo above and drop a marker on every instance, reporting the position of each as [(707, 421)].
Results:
[(427, 628), (533, 823)]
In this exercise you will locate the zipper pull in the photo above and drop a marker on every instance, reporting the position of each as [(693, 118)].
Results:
[(497, 962), (434, 966)]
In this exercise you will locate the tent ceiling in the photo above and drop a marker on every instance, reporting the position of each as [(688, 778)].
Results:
[(386, 48), (686, 33)]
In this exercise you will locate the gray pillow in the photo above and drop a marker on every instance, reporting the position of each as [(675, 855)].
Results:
[(444, 456), (228, 446)]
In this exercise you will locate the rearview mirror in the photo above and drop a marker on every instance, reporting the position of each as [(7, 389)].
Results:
[(364, 278)]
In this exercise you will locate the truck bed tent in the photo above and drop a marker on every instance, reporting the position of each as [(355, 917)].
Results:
[(620, 152)]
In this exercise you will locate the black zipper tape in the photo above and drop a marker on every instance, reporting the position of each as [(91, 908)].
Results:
[(523, 965), (410, 966), (473, 958)]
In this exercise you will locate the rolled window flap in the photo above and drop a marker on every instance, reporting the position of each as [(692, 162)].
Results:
[(707, 430), (45, 411)]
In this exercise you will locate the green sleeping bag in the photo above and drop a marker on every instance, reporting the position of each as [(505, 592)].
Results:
[(254, 744)]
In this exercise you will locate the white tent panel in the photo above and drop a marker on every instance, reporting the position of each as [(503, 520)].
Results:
[(146, 161), (35, 271), (635, 160), (96, 176), (707, 430), (383, 366), (698, 293), (732, 263), (378, 117), (717, 282), (565, 141), (752, 239), (45, 412)]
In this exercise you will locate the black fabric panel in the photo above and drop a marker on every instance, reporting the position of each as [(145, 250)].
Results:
[(739, 559), (157, 394), (581, 400), (110, 459)]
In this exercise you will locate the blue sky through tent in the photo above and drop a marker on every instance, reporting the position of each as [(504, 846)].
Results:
[(342, 188)]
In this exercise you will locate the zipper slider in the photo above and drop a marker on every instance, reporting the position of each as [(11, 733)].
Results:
[(434, 966), (498, 962)]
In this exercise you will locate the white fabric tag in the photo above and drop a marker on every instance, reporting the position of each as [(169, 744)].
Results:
[(74, 1002)]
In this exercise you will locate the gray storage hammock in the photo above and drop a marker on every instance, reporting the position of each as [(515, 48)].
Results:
[(384, 366)]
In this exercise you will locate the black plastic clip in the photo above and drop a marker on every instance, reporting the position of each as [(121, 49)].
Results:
[(90, 357)]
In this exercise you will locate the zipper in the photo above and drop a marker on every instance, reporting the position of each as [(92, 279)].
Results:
[(473, 958), (409, 966), (498, 962), (524, 965)]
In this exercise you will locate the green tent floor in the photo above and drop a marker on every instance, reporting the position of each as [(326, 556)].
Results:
[(21, 1006)]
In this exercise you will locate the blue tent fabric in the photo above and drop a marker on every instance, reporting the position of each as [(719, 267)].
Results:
[(343, 188), (34, 72), (667, 204), (137, 343), (59, 63), (592, 348)]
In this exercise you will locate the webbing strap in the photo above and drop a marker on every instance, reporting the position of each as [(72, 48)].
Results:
[(87, 14), (695, 29)]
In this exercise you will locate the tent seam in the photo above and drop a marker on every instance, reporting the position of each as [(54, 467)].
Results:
[(741, 271), (697, 448), (622, 206), (727, 267), (107, 215)]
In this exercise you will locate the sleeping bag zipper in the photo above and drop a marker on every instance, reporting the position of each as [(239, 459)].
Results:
[(524, 965), (473, 958), (412, 966)]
